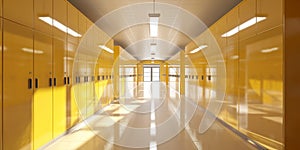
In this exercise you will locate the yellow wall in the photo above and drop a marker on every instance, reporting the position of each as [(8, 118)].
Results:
[(253, 61)]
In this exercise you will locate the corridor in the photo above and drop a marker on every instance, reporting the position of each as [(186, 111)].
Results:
[(149, 74), (158, 118)]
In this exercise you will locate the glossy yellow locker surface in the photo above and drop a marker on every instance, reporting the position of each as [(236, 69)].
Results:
[(231, 57), (42, 103), (72, 45), (246, 11), (261, 74), (82, 29), (82, 66), (72, 105), (17, 97), (42, 8), (253, 59), (1, 99), (1, 8), (21, 13), (90, 89), (60, 91), (59, 70), (60, 14), (82, 101), (73, 22)]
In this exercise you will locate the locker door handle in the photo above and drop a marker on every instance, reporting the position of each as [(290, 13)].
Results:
[(54, 81), (50, 82), (30, 83), (209, 77), (65, 80), (69, 80), (36, 83)]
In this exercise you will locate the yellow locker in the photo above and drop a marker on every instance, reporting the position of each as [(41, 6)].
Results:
[(1, 100), (42, 8), (73, 113), (59, 70), (73, 22), (273, 13), (246, 11), (59, 89), (82, 102), (1, 8), (42, 103), (60, 15), (72, 104), (82, 28), (91, 95), (19, 11), (82, 66), (17, 86)]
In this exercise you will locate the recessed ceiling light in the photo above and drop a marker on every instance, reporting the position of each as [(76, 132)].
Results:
[(154, 18)]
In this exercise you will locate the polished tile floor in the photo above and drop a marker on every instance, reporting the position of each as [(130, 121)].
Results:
[(149, 116)]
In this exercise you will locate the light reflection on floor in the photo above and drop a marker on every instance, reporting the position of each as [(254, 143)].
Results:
[(127, 123)]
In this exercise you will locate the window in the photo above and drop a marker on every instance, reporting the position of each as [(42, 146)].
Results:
[(151, 74)]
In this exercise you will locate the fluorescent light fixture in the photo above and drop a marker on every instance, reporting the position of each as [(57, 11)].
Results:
[(153, 116), (106, 48), (153, 47), (153, 145), (270, 50), (153, 129), (198, 49), (59, 26), (29, 50), (154, 18), (243, 26)]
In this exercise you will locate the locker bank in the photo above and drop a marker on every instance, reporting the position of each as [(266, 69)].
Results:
[(149, 74)]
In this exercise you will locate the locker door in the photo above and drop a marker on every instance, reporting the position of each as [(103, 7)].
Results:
[(59, 70), (82, 66), (80, 92), (17, 92), (72, 48), (1, 110), (42, 105), (59, 95)]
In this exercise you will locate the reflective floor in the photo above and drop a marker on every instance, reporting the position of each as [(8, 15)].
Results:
[(147, 117)]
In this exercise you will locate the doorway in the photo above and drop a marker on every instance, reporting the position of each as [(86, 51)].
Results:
[(151, 73)]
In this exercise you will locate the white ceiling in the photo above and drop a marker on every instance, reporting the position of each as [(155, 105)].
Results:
[(127, 22)]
